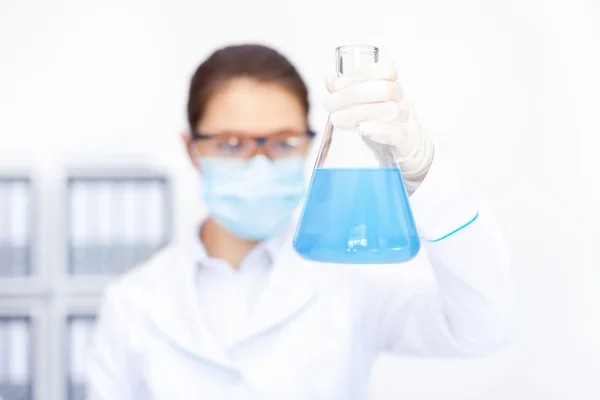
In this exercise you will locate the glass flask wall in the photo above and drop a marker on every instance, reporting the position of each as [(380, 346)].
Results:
[(357, 209)]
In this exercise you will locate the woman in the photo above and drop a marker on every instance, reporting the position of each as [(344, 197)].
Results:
[(236, 314)]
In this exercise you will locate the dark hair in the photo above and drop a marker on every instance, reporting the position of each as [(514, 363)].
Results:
[(246, 60)]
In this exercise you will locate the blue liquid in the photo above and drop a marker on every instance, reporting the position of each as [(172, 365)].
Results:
[(357, 216)]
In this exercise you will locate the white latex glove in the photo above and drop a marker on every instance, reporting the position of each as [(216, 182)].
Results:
[(372, 101)]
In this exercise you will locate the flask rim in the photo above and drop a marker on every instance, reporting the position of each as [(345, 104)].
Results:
[(354, 48)]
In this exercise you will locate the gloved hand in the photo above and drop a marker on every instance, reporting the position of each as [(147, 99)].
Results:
[(372, 101)]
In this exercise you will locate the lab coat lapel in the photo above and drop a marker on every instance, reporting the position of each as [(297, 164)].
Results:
[(177, 317), (292, 287)]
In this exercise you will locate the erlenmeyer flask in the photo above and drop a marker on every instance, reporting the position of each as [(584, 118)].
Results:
[(357, 209)]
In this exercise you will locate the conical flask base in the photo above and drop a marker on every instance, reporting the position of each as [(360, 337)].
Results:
[(357, 216)]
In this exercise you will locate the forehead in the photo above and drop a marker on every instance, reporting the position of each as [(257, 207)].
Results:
[(246, 105)]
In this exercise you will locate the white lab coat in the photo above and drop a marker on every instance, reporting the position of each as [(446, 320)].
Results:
[(317, 328)]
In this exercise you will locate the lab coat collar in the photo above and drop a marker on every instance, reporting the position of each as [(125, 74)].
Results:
[(175, 314), (291, 288), (270, 246), (177, 317)]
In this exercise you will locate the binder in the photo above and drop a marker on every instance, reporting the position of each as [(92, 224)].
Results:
[(4, 352), (15, 226), (116, 220), (80, 334), (78, 227), (5, 262), (103, 217), (16, 358)]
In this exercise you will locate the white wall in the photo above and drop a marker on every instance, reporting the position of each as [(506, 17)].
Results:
[(510, 88)]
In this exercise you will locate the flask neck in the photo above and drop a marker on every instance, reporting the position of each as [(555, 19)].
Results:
[(351, 58)]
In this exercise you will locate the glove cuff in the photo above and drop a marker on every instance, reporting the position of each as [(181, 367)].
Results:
[(416, 169), (440, 205)]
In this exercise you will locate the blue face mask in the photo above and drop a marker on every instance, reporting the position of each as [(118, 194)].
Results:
[(253, 199)]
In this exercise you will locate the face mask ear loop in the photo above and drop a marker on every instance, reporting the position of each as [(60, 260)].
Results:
[(196, 157)]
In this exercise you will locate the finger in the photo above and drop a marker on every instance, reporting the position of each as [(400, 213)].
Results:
[(377, 71), (404, 111), (351, 117), (364, 92), (330, 79), (389, 132), (361, 93), (398, 93)]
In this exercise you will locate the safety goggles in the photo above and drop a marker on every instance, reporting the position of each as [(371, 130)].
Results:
[(281, 144)]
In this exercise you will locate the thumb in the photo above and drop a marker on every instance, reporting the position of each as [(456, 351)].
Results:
[(370, 72), (330, 79)]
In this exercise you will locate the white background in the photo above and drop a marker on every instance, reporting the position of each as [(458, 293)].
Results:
[(510, 88)]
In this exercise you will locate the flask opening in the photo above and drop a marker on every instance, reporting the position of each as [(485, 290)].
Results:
[(352, 57)]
